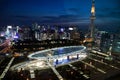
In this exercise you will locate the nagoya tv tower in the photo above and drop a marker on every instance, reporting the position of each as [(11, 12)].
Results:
[(92, 18)]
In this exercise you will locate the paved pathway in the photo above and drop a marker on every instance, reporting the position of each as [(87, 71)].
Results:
[(98, 69), (55, 71), (32, 74), (7, 68), (100, 53), (86, 76), (104, 63)]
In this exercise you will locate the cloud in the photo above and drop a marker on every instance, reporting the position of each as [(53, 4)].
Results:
[(22, 17), (61, 19), (110, 10), (65, 19), (74, 10)]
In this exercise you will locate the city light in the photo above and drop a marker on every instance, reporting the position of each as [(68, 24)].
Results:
[(70, 28), (9, 27), (60, 40)]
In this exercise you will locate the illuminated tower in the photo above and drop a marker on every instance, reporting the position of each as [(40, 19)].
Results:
[(92, 18)]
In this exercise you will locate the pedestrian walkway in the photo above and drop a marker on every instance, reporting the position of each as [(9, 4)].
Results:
[(104, 63), (6, 69), (86, 76), (32, 74), (55, 71), (100, 53), (98, 69)]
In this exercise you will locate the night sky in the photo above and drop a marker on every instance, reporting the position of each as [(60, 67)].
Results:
[(26, 12)]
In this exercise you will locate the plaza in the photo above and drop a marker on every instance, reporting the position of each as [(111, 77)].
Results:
[(55, 56)]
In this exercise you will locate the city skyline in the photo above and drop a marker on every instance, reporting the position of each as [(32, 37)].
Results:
[(59, 40), (59, 12)]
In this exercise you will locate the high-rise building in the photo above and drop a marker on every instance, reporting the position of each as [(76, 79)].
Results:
[(92, 18), (116, 44), (73, 33), (27, 33)]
